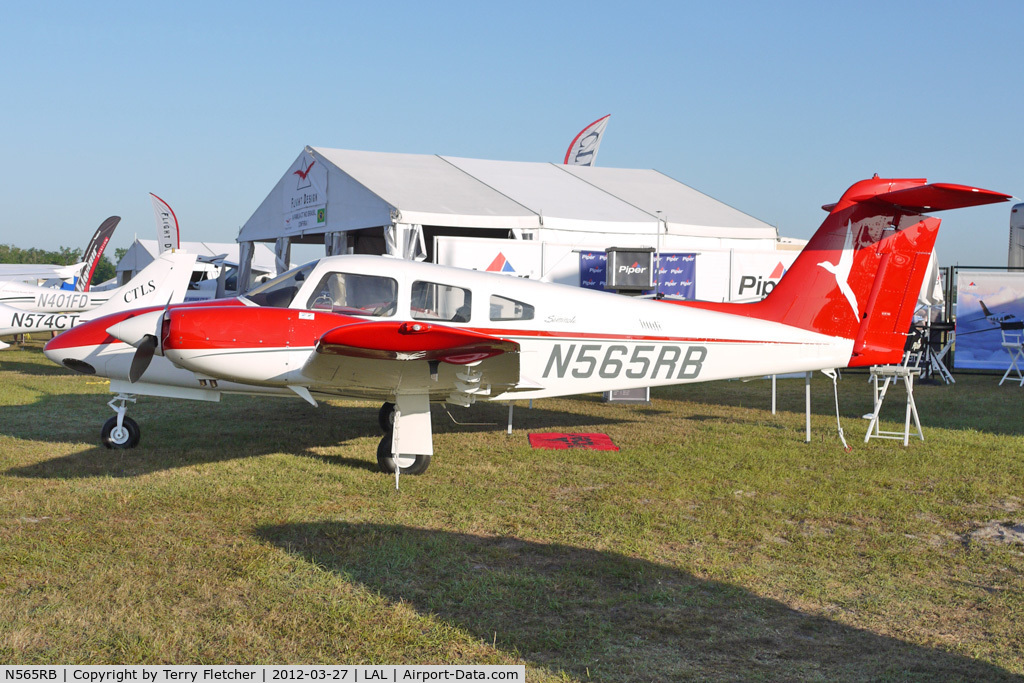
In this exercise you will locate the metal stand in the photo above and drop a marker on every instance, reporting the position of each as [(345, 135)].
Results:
[(890, 373), (1013, 342), (807, 404)]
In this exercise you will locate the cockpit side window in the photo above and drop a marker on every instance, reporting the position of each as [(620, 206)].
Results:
[(503, 308), (434, 301), (354, 294), (279, 292)]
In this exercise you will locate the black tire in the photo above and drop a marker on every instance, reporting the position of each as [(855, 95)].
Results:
[(386, 461), (127, 437), (386, 418)]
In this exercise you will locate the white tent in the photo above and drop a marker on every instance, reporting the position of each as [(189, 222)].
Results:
[(142, 252), (373, 202)]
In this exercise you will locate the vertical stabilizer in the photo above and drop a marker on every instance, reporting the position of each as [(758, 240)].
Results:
[(860, 274)]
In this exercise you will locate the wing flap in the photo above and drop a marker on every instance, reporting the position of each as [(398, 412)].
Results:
[(412, 341)]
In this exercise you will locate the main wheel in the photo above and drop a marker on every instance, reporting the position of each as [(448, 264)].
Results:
[(125, 436), (386, 418), (410, 464)]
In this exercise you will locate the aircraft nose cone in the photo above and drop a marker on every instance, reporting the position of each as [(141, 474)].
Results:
[(133, 330)]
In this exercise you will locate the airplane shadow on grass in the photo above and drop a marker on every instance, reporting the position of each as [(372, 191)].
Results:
[(606, 616), (178, 433)]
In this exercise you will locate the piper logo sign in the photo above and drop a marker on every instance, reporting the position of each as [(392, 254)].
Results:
[(633, 269), (757, 285)]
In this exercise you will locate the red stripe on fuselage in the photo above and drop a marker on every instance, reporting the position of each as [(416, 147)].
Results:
[(250, 327)]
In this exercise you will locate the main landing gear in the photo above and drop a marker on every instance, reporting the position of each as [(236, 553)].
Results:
[(121, 431), (386, 460)]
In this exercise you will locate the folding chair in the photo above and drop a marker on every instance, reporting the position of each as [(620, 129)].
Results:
[(941, 336), (906, 371), (1013, 342)]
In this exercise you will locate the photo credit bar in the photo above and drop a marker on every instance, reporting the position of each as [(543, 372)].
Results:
[(259, 674)]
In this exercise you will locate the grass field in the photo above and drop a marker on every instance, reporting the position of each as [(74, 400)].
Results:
[(715, 545)]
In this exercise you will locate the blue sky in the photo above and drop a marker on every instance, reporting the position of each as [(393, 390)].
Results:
[(773, 108)]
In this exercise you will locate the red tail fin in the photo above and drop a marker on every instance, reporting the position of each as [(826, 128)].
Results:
[(861, 272)]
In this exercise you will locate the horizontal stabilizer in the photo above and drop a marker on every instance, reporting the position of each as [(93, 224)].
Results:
[(941, 197), (915, 194), (412, 341)]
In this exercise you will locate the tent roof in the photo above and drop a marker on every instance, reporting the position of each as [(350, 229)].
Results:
[(372, 189)]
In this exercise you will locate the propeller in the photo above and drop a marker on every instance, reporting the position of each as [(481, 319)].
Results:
[(142, 332), (142, 358)]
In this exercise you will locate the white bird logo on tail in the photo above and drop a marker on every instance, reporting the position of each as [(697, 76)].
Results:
[(842, 269)]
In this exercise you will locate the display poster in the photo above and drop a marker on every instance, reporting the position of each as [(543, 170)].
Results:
[(677, 273), (986, 302), (593, 269)]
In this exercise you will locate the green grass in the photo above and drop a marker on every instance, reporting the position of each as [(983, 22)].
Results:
[(715, 545)]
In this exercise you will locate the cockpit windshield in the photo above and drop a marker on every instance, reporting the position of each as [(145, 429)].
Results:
[(279, 292)]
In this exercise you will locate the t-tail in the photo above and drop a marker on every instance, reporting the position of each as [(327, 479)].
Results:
[(860, 274), (94, 252), (164, 280)]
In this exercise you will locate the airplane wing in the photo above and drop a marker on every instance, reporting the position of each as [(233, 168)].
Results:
[(415, 357), (20, 272)]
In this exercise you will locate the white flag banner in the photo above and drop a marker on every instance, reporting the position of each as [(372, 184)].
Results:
[(166, 225), (583, 150)]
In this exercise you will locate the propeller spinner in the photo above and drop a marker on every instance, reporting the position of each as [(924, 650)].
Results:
[(142, 332)]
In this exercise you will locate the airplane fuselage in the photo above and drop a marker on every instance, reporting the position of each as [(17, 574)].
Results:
[(569, 340)]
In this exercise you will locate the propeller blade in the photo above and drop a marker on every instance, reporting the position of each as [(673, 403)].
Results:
[(142, 358)]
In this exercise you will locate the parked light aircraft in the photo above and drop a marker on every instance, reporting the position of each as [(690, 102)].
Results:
[(999, 321), (411, 334), (28, 297), (165, 279)]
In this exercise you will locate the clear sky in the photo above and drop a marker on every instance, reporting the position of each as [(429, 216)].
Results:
[(773, 108)]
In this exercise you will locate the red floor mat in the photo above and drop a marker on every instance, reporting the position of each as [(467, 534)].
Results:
[(595, 442)]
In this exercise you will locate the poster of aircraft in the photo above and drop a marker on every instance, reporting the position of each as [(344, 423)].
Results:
[(988, 302), (410, 334)]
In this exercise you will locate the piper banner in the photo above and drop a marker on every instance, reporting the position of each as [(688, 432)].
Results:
[(677, 273), (986, 302)]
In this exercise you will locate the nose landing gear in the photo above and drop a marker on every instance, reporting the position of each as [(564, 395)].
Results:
[(121, 431)]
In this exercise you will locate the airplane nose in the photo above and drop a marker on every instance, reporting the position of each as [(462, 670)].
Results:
[(135, 329), (68, 358)]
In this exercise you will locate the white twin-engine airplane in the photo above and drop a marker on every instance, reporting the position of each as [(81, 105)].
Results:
[(14, 292), (165, 279), (411, 334)]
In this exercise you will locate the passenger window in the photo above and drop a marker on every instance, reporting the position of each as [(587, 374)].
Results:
[(509, 309), (433, 301), (352, 294)]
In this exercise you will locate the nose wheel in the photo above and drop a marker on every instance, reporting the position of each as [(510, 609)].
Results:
[(124, 435), (121, 431)]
